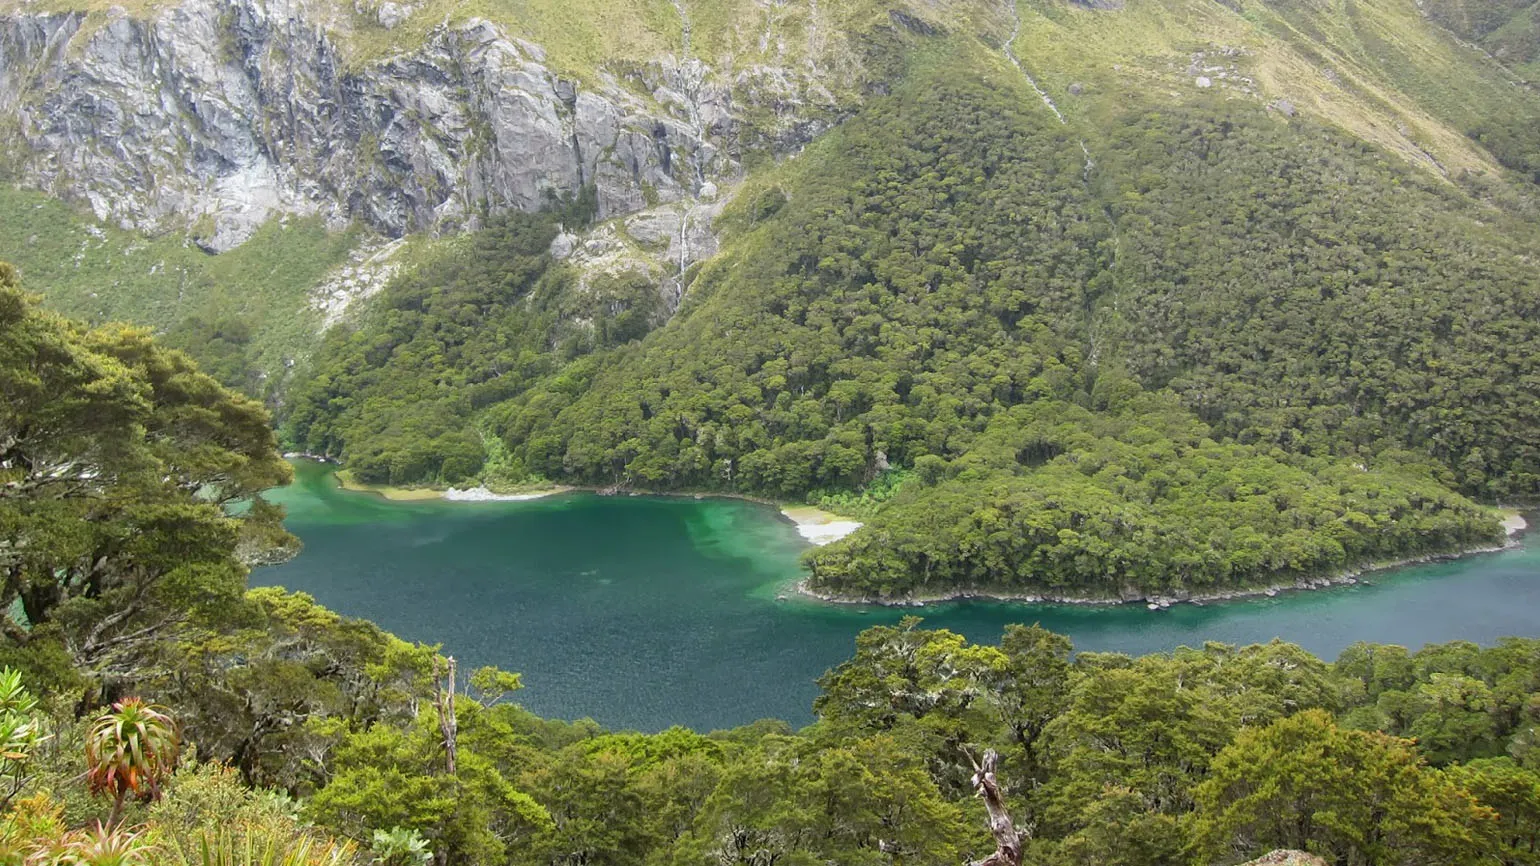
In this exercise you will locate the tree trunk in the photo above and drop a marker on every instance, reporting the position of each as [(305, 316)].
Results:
[(447, 721), (1007, 840), (444, 700), (39, 600), (117, 811)]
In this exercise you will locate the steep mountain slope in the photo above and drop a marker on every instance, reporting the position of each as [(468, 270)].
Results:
[(211, 121), (405, 117), (1068, 300), (245, 315), (1378, 70), (1507, 30)]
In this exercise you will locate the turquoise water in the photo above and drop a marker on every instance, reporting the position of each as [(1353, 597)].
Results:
[(644, 612)]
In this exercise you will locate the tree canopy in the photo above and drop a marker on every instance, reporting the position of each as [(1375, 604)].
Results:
[(118, 461)]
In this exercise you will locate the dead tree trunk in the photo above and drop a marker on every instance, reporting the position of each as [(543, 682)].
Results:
[(1007, 839), (447, 723)]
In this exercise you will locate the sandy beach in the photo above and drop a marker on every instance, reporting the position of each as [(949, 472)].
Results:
[(818, 526)]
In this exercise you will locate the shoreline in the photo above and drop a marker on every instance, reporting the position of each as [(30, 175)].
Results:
[(482, 494), (815, 525), (1513, 524), (819, 527), (346, 482)]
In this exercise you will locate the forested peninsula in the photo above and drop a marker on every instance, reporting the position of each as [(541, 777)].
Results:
[(154, 711)]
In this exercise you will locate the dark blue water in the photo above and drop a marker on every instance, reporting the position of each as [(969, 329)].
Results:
[(644, 612)]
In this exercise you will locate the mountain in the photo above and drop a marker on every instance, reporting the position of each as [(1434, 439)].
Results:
[(323, 133), (1069, 300)]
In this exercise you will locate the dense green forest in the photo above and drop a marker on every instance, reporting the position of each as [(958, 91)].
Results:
[(1103, 299), (152, 710), (1244, 349)]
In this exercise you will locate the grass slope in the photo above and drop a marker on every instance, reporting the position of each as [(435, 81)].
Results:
[(579, 37), (99, 273), (1378, 69)]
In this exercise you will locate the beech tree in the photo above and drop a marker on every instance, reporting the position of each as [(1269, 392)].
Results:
[(274, 692), (1036, 689), (117, 462), (1514, 793), (1359, 798)]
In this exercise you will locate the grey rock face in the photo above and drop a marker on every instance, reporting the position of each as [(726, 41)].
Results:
[(215, 115), (659, 244)]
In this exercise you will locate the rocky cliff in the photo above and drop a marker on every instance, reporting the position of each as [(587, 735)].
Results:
[(215, 115)]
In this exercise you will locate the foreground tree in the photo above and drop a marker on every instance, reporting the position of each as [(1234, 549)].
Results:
[(275, 695), (117, 462), (1358, 798), (1514, 792), (1036, 690)]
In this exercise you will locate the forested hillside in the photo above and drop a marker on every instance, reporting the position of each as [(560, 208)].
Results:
[(1239, 348), (1072, 300), (1102, 300)]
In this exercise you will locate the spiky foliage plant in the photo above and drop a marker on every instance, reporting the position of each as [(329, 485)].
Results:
[(105, 845), (21, 731), (131, 749)]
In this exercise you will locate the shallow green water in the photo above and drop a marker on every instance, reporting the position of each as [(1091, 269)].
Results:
[(644, 612)]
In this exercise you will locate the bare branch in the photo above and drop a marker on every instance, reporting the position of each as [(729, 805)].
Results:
[(444, 701), (1008, 850)]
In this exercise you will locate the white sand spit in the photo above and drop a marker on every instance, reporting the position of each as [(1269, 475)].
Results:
[(820, 527), (481, 494)]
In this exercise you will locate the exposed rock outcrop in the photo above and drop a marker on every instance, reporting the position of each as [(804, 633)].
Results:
[(1287, 858), (214, 115), (369, 268)]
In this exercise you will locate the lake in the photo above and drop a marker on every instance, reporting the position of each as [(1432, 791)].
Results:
[(646, 612)]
